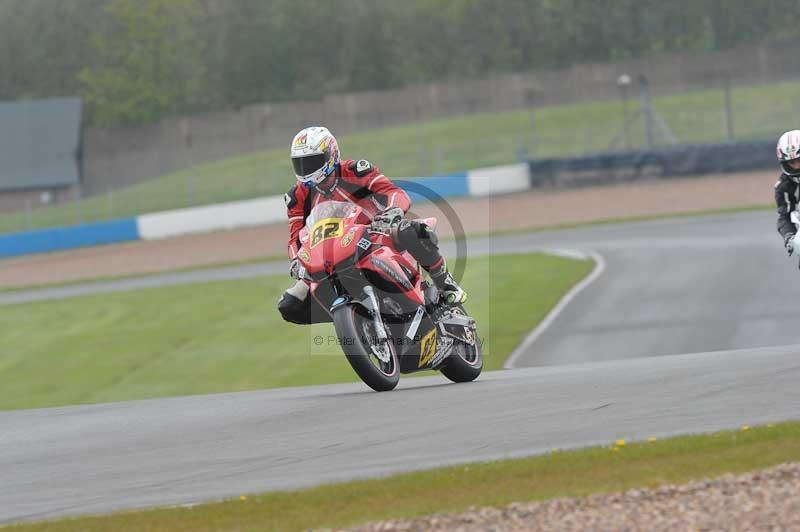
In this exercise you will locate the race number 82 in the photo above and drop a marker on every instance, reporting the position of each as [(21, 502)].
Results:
[(325, 229)]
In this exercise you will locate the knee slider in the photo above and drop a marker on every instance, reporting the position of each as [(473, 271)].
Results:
[(430, 234)]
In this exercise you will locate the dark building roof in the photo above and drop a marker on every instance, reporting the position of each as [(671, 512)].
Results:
[(39, 143)]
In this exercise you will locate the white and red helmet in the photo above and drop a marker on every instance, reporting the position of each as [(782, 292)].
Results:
[(315, 154), (789, 150)]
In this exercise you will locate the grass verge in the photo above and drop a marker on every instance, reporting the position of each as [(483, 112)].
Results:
[(558, 474), (439, 146), (228, 336)]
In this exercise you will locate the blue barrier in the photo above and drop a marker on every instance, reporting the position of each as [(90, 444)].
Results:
[(123, 230), (663, 162), (447, 185), (59, 238)]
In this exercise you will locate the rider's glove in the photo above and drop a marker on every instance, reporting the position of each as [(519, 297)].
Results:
[(789, 243), (294, 268), (387, 218)]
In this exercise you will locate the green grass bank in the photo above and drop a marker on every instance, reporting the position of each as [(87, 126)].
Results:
[(228, 336)]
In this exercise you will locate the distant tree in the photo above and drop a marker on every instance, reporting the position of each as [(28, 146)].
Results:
[(148, 58), (43, 45), (136, 61), (733, 23)]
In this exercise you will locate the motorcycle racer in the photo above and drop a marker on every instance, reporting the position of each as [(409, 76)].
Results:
[(787, 189), (323, 176)]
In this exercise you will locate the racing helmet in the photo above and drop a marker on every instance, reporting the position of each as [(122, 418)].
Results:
[(789, 150), (315, 154)]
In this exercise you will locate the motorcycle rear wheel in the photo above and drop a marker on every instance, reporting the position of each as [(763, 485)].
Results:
[(353, 329), (465, 363)]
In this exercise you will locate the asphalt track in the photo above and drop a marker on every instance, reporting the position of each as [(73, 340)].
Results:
[(686, 285)]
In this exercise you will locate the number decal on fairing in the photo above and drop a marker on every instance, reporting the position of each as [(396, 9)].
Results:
[(325, 229), (427, 348)]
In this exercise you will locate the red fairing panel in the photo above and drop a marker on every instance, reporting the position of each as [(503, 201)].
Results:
[(385, 262)]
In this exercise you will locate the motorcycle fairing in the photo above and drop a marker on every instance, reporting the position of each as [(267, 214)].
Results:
[(398, 270), (417, 353), (342, 256)]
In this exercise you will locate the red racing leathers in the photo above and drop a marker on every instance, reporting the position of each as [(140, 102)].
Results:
[(363, 184), (356, 181)]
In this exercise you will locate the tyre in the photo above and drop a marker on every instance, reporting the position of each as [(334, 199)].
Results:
[(465, 363), (355, 330)]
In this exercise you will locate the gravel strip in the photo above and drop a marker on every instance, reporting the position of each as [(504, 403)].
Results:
[(763, 500)]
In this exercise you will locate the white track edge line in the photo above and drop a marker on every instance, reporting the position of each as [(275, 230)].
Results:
[(599, 268)]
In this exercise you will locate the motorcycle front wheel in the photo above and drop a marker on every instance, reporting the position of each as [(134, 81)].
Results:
[(374, 361)]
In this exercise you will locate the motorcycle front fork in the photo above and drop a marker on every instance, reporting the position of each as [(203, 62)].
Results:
[(374, 308)]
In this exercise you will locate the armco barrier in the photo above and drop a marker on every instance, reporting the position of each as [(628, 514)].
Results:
[(446, 186), (260, 211), (663, 162), (498, 180), (219, 217), (603, 168), (59, 238)]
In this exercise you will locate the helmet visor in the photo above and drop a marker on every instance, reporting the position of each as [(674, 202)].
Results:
[(309, 164), (791, 168)]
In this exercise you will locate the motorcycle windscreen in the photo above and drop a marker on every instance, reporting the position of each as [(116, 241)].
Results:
[(328, 209)]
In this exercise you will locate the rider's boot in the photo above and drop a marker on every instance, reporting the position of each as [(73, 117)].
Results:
[(452, 293)]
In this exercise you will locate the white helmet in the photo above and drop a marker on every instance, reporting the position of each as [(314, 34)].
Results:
[(315, 154), (789, 150)]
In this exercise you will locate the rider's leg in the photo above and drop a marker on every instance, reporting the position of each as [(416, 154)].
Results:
[(296, 305), (421, 241)]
